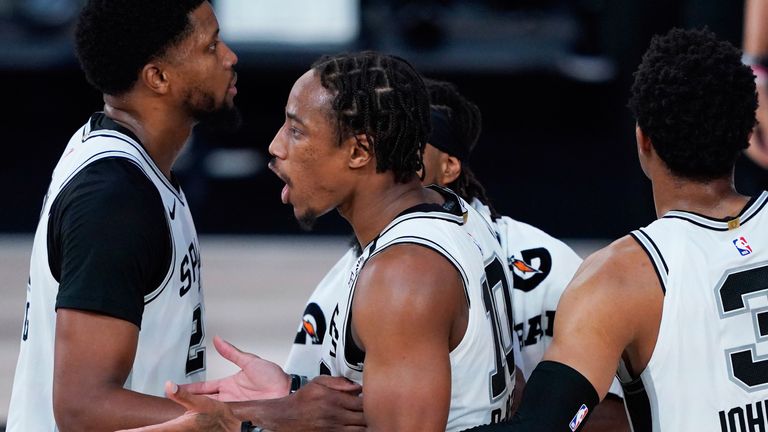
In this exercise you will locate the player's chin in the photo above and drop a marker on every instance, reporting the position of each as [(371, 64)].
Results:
[(306, 219)]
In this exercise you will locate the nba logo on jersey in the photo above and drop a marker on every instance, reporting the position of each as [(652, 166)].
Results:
[(579, 417), (742, 245)]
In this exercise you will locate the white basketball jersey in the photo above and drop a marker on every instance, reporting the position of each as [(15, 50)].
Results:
[(307, 349), (170, 344), (541, 267), (481, 382), (709, 369)]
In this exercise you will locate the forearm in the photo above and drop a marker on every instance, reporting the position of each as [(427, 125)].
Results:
[(111, 409), (756, 28)]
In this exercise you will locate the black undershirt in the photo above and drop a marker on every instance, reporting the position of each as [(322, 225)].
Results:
[(108, 240)]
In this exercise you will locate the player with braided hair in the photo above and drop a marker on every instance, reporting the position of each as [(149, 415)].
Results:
[(422, 317)]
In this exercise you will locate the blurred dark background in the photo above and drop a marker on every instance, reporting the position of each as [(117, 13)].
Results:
[(550, 76)]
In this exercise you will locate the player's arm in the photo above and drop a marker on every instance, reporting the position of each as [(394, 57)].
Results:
[(94, 355), (107, 234), (409, 308), (611, 309)]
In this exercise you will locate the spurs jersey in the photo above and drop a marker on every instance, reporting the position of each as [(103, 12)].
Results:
[(482, 365), (541, 267), (709, 369), (307, 348), (170, 344)]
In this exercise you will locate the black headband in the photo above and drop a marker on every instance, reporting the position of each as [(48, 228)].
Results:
[(444, 138)]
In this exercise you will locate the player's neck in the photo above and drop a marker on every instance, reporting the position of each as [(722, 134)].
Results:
[(370, 212), (716, 198), (162, 132)]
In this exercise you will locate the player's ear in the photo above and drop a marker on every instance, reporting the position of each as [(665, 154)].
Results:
[(154, 77), (361, 151), (644, 145), (451, 168)]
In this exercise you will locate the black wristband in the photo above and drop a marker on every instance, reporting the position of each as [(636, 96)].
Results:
[(247, 426), (297, 382)]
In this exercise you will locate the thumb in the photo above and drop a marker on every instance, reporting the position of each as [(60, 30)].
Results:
[(180, 395), (231, 352)]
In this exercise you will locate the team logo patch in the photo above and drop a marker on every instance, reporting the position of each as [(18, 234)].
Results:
[(581, 414), (742, 245), (522, 266), (309, 328)]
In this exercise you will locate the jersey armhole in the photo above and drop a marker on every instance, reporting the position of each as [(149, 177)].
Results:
[(654, 254)]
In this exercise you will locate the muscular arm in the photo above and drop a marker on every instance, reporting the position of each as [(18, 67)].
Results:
[(108, 247), (89, 373), (407, 320), (614, 305)]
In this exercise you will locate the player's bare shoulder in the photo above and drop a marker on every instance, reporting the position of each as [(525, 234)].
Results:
[(408, 279)]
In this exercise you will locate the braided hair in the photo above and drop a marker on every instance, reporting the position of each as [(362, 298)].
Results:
[(383, 98)]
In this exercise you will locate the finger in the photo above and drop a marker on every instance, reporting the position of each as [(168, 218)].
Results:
[(350, 402), (203, 387), (231, 352), (186, 399), (338, 383)]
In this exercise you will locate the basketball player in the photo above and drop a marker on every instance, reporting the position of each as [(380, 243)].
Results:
[(115, 250), (541, 265), (425, 319), (680, 303)]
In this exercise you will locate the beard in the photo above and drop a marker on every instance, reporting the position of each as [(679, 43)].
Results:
[(202, 107), (307, 220)]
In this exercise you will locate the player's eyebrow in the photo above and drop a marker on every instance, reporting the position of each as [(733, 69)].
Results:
[(295, 117), (215, 34)]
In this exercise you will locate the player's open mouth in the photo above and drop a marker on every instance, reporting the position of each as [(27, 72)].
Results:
[(285, 193), (232, 90)]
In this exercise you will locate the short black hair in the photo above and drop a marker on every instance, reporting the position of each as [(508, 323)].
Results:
[(384, 98), (115, 39), (466, 123), (696, 101)]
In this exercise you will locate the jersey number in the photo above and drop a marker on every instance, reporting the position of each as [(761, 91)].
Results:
[(196, 353), (499, 307), (747, 369)]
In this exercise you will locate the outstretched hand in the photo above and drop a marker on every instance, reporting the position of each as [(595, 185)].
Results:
[(203, 414), (257, 379)]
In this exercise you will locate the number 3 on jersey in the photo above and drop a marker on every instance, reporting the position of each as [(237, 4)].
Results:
[(196, 354), (734, 292), (499, 309)]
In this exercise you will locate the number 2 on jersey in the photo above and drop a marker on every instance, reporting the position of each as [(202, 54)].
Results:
[(196, 354)]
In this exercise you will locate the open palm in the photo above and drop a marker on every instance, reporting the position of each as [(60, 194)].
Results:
[(257, 379)]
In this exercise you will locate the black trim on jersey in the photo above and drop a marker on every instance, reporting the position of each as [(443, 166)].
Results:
[(653, 262), (104, 123), (451, 206), (353, 354), (684, 215), (107, 245), (167, 280), (638, 405), (658, 251)]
